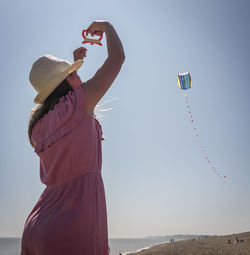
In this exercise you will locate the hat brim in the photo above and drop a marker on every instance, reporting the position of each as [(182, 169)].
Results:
[(52, 85)]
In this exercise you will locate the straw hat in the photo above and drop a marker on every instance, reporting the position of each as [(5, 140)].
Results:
[(48, 72)]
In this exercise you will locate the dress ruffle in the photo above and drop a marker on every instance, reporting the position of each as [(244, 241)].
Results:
[(66, 115)]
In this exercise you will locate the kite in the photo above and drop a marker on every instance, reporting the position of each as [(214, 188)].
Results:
[(91, 40), (185, 82)]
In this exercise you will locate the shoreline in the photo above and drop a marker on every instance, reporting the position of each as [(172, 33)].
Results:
[(204, 245), (144, 248)]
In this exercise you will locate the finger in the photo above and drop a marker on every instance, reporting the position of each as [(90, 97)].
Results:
[(92, 32), (97, 33), (79, 48), (89, 30)]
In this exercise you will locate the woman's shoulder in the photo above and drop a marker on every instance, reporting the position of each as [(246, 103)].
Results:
[(65, 115)]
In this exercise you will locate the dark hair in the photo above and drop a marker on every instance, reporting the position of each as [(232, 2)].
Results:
[(49, 104)]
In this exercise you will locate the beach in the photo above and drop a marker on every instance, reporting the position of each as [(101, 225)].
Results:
[(213, 245)]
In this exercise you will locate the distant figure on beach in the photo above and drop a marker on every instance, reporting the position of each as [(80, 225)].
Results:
[(237, 239), (70, 216), (229, 241)]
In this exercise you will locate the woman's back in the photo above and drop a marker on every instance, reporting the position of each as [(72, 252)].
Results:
[(70, 216), (67, 139)]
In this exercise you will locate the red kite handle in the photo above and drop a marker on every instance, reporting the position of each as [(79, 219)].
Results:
[(90, 40)]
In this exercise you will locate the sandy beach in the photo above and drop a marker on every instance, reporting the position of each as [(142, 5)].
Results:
[(215, 245)]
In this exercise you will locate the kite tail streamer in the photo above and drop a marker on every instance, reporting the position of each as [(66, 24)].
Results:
[(204, 152)]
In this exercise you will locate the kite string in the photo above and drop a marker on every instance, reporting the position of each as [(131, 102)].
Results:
[(212, 166)]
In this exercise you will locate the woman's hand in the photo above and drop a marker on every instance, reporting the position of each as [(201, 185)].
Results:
[(97, 28), (79, 53)]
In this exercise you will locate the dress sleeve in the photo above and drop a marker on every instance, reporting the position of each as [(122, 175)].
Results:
[(80, 98), (65, 116)]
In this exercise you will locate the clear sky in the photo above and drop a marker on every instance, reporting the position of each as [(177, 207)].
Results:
[(156, 178)]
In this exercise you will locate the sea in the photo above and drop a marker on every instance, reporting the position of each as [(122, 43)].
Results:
[(12, 246)]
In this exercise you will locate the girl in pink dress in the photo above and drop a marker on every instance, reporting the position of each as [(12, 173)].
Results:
[(70, 216)]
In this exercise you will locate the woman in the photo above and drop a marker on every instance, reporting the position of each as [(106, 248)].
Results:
[(70, 216)]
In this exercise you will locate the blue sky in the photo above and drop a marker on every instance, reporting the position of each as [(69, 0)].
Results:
[(156, 178)]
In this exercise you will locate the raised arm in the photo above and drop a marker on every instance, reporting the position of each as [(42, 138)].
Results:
[(97, 86)]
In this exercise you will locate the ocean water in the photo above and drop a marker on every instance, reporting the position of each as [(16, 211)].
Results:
[(126, 245), (12, 246)]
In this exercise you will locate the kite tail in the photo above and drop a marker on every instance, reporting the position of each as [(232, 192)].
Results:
[(204, 152)]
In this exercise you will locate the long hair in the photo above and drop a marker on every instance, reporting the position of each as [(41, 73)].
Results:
[(49, 104)]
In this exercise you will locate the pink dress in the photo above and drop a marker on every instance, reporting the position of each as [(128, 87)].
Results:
[(70, 216)]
